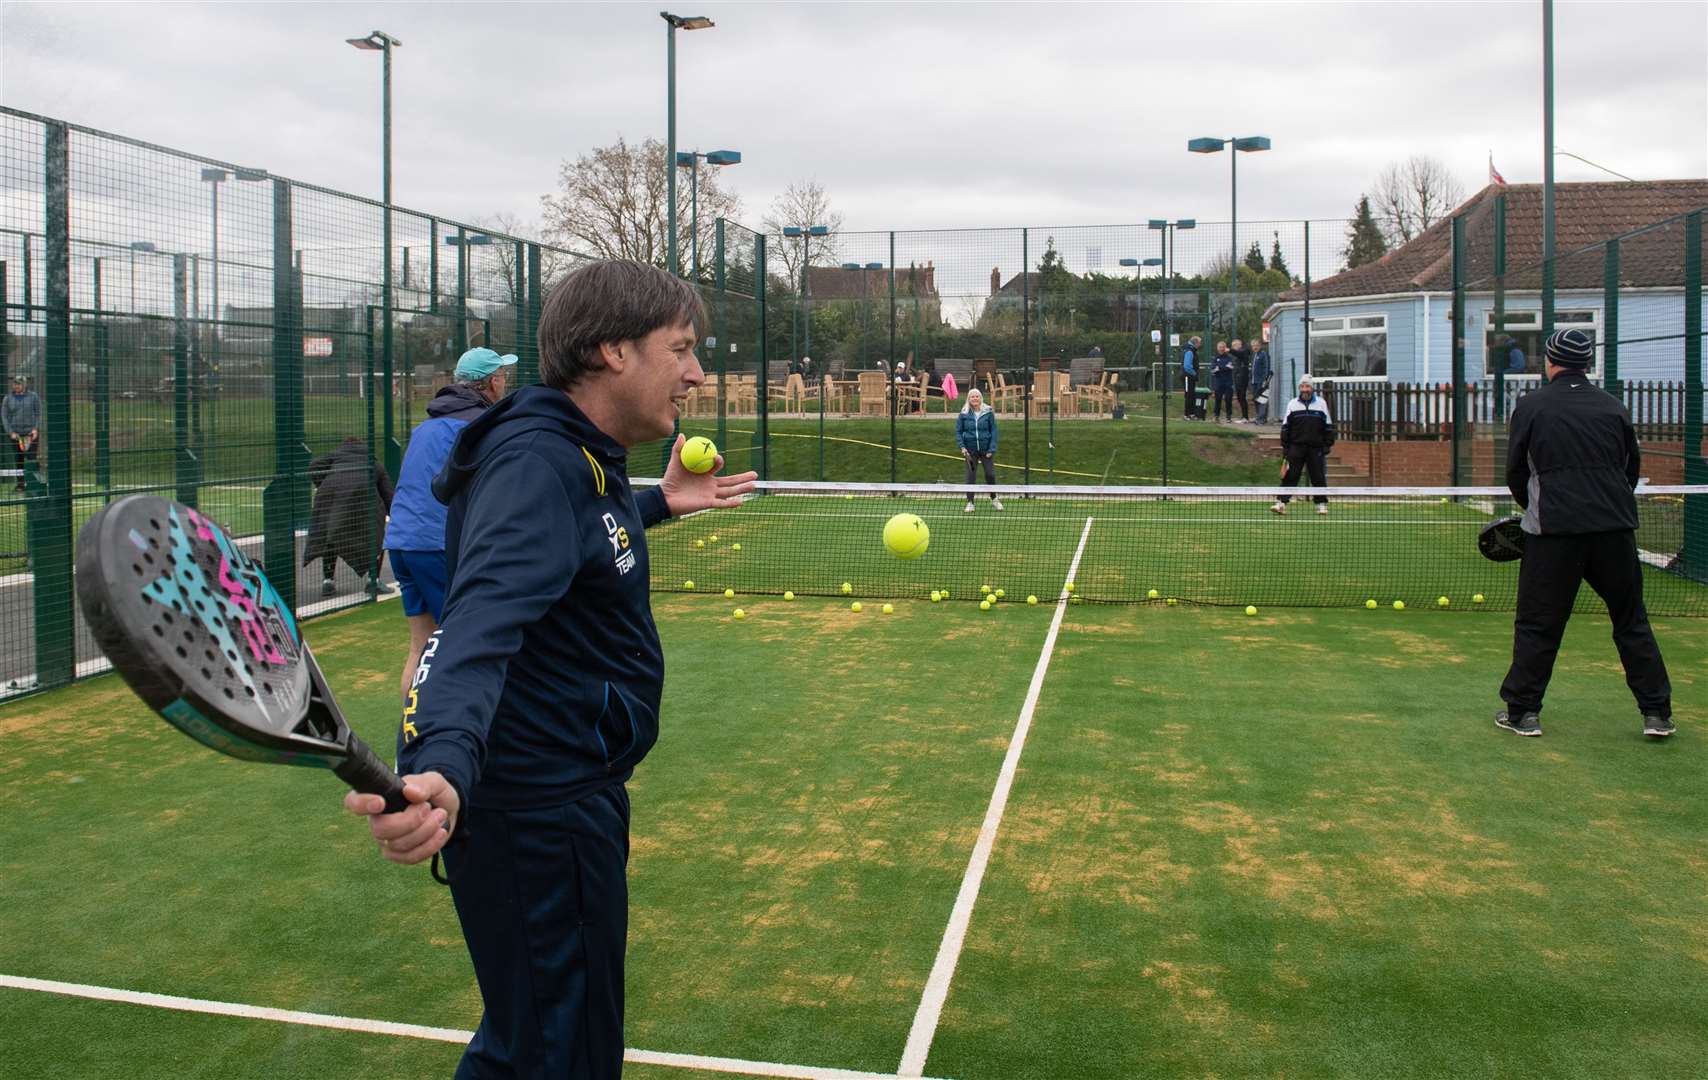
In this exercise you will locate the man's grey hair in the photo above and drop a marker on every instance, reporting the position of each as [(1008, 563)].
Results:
[(483, 382), (608, 301)]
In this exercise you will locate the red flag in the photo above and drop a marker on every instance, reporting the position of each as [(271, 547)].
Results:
[(1494, 174)]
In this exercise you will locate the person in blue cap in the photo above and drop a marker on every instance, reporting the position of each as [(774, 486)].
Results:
[(415, 536)]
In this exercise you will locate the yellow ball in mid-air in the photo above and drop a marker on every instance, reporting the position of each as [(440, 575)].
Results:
[(936, 596), (984, 605), (729, 594), (788, 595), (855, 606), (1477, 599), (1153, 594), (847, 589), (1399, 605), (1033, 600), (689, 584), (889, 609), (907, 536), (699, 454), (1442, 601), (740, 614)]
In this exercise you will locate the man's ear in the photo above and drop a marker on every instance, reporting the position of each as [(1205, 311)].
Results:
[(614, 354)]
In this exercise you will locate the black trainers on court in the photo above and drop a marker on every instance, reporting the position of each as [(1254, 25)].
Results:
[(1526, 724), (1658, 726)]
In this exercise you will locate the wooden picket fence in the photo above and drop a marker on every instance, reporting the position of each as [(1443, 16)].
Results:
[(1379, 412)]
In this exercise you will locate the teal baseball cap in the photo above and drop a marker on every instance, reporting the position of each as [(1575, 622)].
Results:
[(479, 363)]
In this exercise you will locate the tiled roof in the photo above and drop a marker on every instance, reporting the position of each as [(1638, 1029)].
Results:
[(1584, 215)]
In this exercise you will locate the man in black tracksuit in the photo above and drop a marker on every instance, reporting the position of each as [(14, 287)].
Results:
[(539, 694), (1572, 464), (1307, 435)]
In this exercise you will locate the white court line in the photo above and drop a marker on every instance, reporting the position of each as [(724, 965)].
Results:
[(954, 936), (416, 1031)]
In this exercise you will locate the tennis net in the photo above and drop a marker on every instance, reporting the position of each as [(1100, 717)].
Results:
[(1202, 546)]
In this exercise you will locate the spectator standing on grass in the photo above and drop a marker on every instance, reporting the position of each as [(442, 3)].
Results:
[(1260, 372), (1189, 369), (1242, 378), (1307, 435), (22, 415), (543, 690), (1222, 381), (352, 496), (415, 535), (1572, 463), (795, 388), (975, 434)]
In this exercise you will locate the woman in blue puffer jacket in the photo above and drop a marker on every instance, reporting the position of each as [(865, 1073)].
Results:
[(975, 433)]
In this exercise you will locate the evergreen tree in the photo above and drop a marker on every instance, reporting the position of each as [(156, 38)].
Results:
[(1254, 258), (1276, 262), (1364, 243), (1053, 274)]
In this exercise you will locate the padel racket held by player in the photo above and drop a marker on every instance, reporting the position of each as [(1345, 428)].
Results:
[(1502, 541), (197, 630)]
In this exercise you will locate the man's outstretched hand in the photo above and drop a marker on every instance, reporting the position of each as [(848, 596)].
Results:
[(686, 492)]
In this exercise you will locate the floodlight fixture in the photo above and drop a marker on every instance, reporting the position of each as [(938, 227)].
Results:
[(686, 22), (724, 157)]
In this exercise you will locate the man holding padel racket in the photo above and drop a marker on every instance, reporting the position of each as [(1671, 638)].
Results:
[(539, 694), (1572, 463), (21, 414)]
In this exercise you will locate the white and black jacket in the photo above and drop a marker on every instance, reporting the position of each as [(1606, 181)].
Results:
[(1307, 426)]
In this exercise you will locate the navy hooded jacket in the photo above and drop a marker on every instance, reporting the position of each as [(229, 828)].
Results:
[(543, 684)]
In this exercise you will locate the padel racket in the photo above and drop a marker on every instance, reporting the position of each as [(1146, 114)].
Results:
[(1502, 541), (197, 630)]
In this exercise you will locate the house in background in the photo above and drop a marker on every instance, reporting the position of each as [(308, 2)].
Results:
[(1389, 321)]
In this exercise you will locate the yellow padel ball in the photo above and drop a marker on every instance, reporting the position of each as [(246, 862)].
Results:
[(907, 536), (1069, 586), (689, 584), (1399, 605), (699, 454), (889, 609), (1250, 610), (1371, 604), (729, 594), (735, 547), (936, 596), (788, 595), (699, 543), (855, 607), (1152, 595), (1172, 601), (740, 614), (984, 605), (847, 589), (1477, 599), (1442, 601), (1033, 600), (1000, 594)]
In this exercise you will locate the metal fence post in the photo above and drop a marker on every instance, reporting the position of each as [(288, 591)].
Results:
[(184, 465), (1610, 320), (763, 435), (1458, 345), (530, 359), (103, 391), (50, 518), (278, 501), (1026, 356), (1695, 552), (720, 273)]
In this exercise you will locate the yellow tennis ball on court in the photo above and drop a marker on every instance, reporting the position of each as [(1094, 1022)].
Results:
[(889, 609), (712, 539), (740, 614), (1152, 595), (936, 596), (788, 595), (1250, 610), (1443, 500), (984, 605), (1399, 605), (1077, 600), (1033, 600), (855, 607), (689, 585), (1172, 601), (699, 543), (945, 594), (1069, 586), (850, 498), (1000, 594), (1371, 604), (735, 547), (1442, 601), (729, 594), (1477, 599), (699, 454), (984, 590), (907, 536), (847, 589)]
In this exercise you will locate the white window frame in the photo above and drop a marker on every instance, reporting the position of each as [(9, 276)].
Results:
[(1534, 322), (1346, 329)]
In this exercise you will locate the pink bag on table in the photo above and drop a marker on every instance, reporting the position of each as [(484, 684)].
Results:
[(950, 390)]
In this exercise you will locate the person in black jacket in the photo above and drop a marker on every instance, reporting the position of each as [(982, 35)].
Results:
[(1307, 435), (1242, 378), (1572, 463), (347, 518), (539, 693)]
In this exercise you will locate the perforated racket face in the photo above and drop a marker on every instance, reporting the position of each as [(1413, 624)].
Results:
[(195, 627), (1502, 541)]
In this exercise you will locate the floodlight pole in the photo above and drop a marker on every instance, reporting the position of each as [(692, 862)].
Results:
[(1547, 168), (383, 43), (673, 23), (1236, 146)]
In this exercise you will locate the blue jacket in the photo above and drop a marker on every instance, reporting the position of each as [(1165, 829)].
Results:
[(417, 518), (543, 684), (1259, 368), (976, 431), (1222, 369), (1514, 358), (1189, 361)]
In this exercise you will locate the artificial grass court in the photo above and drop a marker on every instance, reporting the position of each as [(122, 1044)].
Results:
[(1290, 845)]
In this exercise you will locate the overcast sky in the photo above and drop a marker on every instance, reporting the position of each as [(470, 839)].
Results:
[(911, 115)]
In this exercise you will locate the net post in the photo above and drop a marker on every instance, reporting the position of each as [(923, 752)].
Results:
[(1458, 346), (50, 533)]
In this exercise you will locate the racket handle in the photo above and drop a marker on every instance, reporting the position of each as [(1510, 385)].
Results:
[(366, 773)]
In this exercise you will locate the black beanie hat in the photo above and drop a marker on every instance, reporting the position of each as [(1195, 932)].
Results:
[(1571, 349)]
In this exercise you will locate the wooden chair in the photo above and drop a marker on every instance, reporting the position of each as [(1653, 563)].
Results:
[(1099, 398), (1006, 396), (833, 393), (1065, 400), (874, 393)]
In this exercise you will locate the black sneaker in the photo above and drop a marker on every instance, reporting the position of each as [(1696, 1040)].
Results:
[(1658, 726), (1526, 724)]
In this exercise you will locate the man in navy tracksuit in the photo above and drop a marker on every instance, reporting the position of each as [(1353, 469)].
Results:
[(540, 692)]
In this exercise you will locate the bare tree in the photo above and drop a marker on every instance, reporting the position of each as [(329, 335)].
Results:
[(613, 203), (1412, 195), (803, 204), (502, 261)]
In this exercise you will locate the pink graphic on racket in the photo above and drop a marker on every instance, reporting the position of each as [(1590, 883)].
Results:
[(197, 630)]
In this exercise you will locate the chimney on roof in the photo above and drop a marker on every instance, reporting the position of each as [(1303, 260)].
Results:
[(995, 280)]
